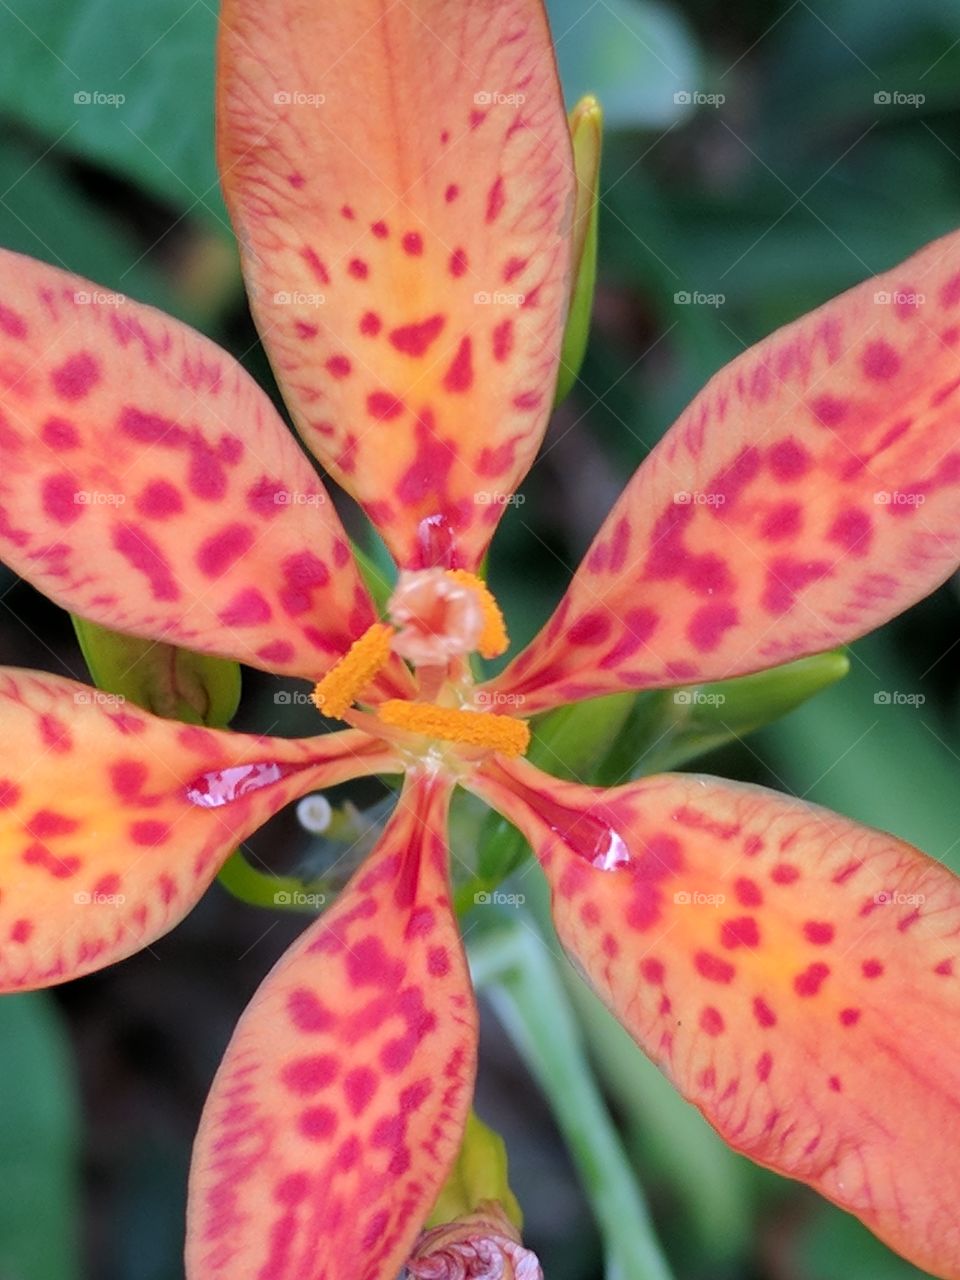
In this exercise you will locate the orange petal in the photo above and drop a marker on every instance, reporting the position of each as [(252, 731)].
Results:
[(796, 975), (808, 494), (148, 484), (102, 848), (401, 181), (339, 1107)]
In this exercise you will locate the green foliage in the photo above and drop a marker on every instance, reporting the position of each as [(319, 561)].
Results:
[(39, 1227), (128, 86), (514, 968), (480, 1173), (586, 133), (175, 683)]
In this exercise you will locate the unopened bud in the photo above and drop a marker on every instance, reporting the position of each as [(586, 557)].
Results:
[(484, 1245)]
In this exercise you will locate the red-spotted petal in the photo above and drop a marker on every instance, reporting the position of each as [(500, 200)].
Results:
[(808, 494), (339, 1107), (797, 976), (401, 182), (148, 484), (113, 822)]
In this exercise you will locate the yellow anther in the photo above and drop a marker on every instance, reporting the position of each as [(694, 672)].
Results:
[(505, 734), (366, 657), (493, 638)]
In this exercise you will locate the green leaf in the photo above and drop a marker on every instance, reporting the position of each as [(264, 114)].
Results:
[(512, 965), (480, 1173), (586, 131), (670, 727), (45, 215), (127, 86), (39, 1227), (175, 683)]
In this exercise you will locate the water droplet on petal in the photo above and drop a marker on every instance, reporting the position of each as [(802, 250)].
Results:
[(222, 786)]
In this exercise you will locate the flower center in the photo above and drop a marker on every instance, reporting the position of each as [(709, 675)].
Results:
[(437, 618)]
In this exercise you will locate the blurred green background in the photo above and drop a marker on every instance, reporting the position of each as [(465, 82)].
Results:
[(771, 153)]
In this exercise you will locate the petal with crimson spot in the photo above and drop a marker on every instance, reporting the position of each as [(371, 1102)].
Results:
[(339, 1107), (793, 973), (407, 246), (101, 847), (809, 493), (148, 484)]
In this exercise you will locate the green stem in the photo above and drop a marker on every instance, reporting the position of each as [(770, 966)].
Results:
[(514, 966), (260, 889)]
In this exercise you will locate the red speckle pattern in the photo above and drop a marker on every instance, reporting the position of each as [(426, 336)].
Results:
[(98, 833), (171, 483), (468, 223), (332, 1123), (808, 494), (807, 1033)]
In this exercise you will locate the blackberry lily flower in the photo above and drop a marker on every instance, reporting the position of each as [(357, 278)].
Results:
[(394, 175)]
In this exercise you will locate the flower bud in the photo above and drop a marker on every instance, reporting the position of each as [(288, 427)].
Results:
[(484, 1245)]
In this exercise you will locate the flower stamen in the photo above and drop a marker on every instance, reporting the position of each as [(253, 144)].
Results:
[(347, 678), (493, 638), (486, 729)]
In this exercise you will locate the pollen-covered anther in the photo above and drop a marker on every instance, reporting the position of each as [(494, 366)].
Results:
[(347, 679), (493, 638), (484, 729), (441, 614)]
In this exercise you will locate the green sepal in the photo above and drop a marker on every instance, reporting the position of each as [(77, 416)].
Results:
[(667, 728), (586, 134), (375, 578), (479, 1174), (175, 683)]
